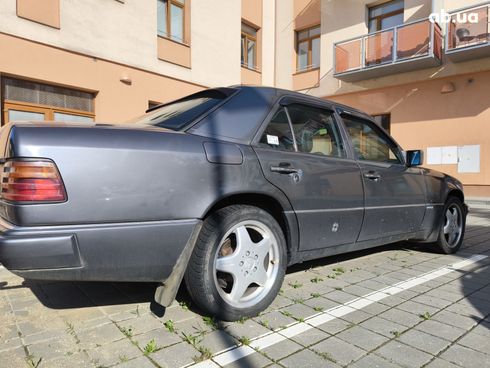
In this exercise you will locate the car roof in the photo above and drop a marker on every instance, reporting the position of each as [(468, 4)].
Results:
[(246, 107), (280, 92)]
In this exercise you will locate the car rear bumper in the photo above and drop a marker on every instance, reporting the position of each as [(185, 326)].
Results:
[(143, 251)]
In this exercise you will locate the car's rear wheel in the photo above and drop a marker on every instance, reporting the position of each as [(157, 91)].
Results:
[(452, 227), (238, 263)]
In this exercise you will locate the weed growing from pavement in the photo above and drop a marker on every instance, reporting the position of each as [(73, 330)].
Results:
[(295, 285), (242, 320), (70, 328), (326, 356), (211, 322), (315, 295), (137, 311), (318, 309), (338, 288), (264, 323), (297, 300), (193, 340), (396, 333), (123, 358), (150, 347), (339, 270), (169, 325), (286, 313), (426, 316), (128, 332), (244, 340), (316, 280), (33, 362), (205, 355), (184, 306)]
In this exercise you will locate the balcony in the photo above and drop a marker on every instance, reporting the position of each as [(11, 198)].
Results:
[(468, 34), (404, 48)]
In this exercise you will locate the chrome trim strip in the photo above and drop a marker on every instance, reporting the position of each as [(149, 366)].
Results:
[(367, 208)]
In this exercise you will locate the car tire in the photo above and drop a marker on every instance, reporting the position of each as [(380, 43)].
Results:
[(238, 263), (452, 228)]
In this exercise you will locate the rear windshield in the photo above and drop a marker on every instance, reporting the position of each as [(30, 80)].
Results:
[(176, 115)]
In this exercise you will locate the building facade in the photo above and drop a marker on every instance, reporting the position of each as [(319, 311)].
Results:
[(421, 67)]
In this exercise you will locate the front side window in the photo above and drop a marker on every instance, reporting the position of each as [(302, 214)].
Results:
[(308, 48), (383, 120), (249, 46), (370, 144), (315, 131), (386, 15), (179, 114), (170, 15)]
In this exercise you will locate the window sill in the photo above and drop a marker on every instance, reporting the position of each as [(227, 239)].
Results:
[(302, 71), (251, 69), (186, 44)]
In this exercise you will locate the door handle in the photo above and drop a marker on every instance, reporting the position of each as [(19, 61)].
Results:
[(284, 170), (371, 175)]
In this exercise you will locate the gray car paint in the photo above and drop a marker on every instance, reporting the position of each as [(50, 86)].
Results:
[(136, 193)]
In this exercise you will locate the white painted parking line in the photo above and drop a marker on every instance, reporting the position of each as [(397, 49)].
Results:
[(261, 342)]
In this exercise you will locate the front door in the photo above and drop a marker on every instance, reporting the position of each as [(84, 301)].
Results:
[(394, 193), (304, 156)]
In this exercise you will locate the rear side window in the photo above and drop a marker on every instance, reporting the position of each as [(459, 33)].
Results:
[(179, 114), (314, 131), (370, 143), (278, 134)]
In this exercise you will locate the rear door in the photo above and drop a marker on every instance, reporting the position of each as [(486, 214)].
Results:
[(394, 193), (302, 152)]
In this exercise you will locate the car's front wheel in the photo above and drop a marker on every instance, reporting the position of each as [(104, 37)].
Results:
[(238, 263), (452, 228)]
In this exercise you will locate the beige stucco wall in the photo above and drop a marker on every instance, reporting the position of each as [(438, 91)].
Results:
[(284, 44), (421, 117), (114, 101), (417, 9), (126, 33), (353, 24), (268, 41), (450, 5), (215, 42)]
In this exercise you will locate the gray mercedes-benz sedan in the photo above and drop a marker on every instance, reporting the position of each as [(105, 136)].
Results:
[(224, 188)]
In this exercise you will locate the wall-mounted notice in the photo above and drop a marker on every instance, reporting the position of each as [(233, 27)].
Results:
[(449, 155), (469, 159), (434, 155)]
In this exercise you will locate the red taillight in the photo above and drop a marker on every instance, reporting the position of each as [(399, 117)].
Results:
[(31, 181)]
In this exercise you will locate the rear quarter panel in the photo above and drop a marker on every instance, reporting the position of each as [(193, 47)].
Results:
[(116, 175)]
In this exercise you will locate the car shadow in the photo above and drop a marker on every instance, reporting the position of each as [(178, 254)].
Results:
[(85, 294)]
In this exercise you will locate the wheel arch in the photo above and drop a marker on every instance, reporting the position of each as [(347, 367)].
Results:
[(455, 193), (267, 203)]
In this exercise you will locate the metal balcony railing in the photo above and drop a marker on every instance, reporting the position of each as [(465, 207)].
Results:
[(394, 46)]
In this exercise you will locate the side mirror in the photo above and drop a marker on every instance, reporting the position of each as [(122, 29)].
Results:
[(415, 158)]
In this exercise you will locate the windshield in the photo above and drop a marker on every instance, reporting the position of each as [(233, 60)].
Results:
[(176, 115)]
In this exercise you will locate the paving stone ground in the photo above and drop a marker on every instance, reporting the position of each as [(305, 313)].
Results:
[(442, 323)]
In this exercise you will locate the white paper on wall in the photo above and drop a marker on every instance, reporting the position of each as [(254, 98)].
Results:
[(434, 155), (450, 155), (469, 159)]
